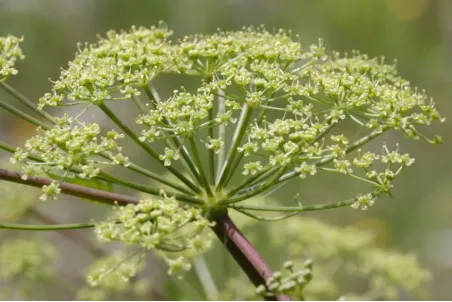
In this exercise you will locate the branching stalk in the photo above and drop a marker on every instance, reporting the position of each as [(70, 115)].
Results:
[(242, 125), (257, 189), (178, 142), (158, 178), (18, 96), (250, 180), (221, 127), (211, 151), (23, 115), (205, 277), (297, 209), (72, 235), (46, 227), (244, 253), (146, 147), (69, 189), (147, 189), (198, 161), (362, 141), (139, 104)]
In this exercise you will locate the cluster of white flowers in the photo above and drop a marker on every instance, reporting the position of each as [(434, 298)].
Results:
[(288, 282), (69, 146), (280, 102), (31, 258), (112, 275), (159, 223), (113, 68), (9, 53), (289, 98)]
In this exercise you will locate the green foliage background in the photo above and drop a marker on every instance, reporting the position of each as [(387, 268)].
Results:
[(416, 32)]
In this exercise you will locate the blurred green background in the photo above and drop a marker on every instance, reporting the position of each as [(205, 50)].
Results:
[(416, 32)]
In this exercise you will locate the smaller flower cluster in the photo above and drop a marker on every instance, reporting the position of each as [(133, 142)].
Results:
[(10, 52), (371, 92), (208, 54), (115, 67), (159, 223), (285, 142), (290, 282), (69, 147), (382, 181), (114, 271), (184, 114), (181, 115), (389, 272), (25, 257), (113, 275)]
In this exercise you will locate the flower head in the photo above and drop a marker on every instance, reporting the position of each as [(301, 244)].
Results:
[(10, 52)]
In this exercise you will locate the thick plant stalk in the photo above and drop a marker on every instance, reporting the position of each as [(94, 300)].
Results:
[(69, 189), (235, 242), (244, 253)]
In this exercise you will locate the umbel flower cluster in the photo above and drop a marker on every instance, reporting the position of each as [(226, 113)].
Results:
[(291, 284), (265, 111), (25, 262), (280, 104), (159, 223)]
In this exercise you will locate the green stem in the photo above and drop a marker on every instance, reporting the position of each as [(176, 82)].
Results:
[(21, 98), (236, 140), (221, 127), (259, 188), (152, 94), (146, 147), (158, 178), (211, 151), (235, 164), (299, 209), (139, 104), (262, 218), (239, 158), (46, 227), (22, 115), (205, 277), (198, 161), (250, 180), (70, 234), (209, 79), (9, 148), (147, 189)]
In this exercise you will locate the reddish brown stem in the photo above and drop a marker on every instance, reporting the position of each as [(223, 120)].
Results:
[(244, 253), (236, 243), (79, 191), (69, 189)]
